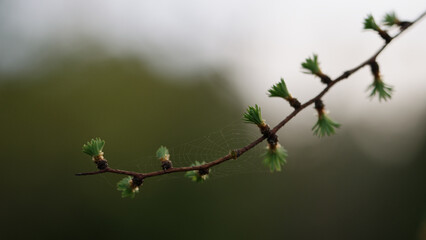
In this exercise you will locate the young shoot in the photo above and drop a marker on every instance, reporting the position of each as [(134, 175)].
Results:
[(312, 67), (253, 115), (381, 89), (198, 175), (94, 148), (128, 187), (370, 23), (275, 157), (378, 87), (324, 126), (280, 90), (163, 153), (390, 19), (164, 156)]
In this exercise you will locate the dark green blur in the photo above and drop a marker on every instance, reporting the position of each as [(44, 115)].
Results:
[(331, 190)]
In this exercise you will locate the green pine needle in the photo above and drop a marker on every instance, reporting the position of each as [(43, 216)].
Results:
[(324, 126), (253, 115), (280, 90), (369, 23), (195, 175), (390, 19), (381, 89), (312, 65), (125, 186), (275, 158), (163, 153), (94, 147)]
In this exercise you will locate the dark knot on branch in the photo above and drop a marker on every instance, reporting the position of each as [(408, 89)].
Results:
[(137, 181), (375, 69), (166, 164), (319, 105), (324, 78), (101, 164), (295, 103), (203, 171)]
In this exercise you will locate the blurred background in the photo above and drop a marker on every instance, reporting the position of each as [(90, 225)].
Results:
[(141, 74)]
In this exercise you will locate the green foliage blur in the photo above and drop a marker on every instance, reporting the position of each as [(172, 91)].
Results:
[(329, 190)]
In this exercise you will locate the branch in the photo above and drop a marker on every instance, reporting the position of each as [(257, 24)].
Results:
[(267, 133)]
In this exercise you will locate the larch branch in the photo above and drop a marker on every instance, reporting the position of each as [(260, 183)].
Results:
[(246, 148)]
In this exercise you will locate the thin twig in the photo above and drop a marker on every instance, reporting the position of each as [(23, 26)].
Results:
[(244, 149)]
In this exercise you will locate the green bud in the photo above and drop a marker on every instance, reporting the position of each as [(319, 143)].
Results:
[(324, 125), (198, 175), (369, 23), (253, 115), (127, 187), (280, 90), (275, 157), (163, 153), (312, 65), (390, 19), (381, 89), (94, 147)]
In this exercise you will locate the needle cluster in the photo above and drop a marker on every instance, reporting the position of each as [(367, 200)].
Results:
[(198, 175), (391, 19), (164, 156), (94, 147), (311, 65), (325, 126), (253, 115), (370, 24), (381, 89), (280, 90), (127, 187), (378, 87), (275, 157)]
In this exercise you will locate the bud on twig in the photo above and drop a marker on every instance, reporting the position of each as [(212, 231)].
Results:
[(253, 115), (164, 156), (129, 186), (280, 90), (94, 149), (324, 125), (369, 23), (378, 87), (391, 19), (275, 157), (312, 65), (198, 175)]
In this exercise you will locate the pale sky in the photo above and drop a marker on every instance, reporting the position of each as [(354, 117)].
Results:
[(256, 42)]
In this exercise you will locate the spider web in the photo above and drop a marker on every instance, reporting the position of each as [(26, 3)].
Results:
[(211, 147)]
